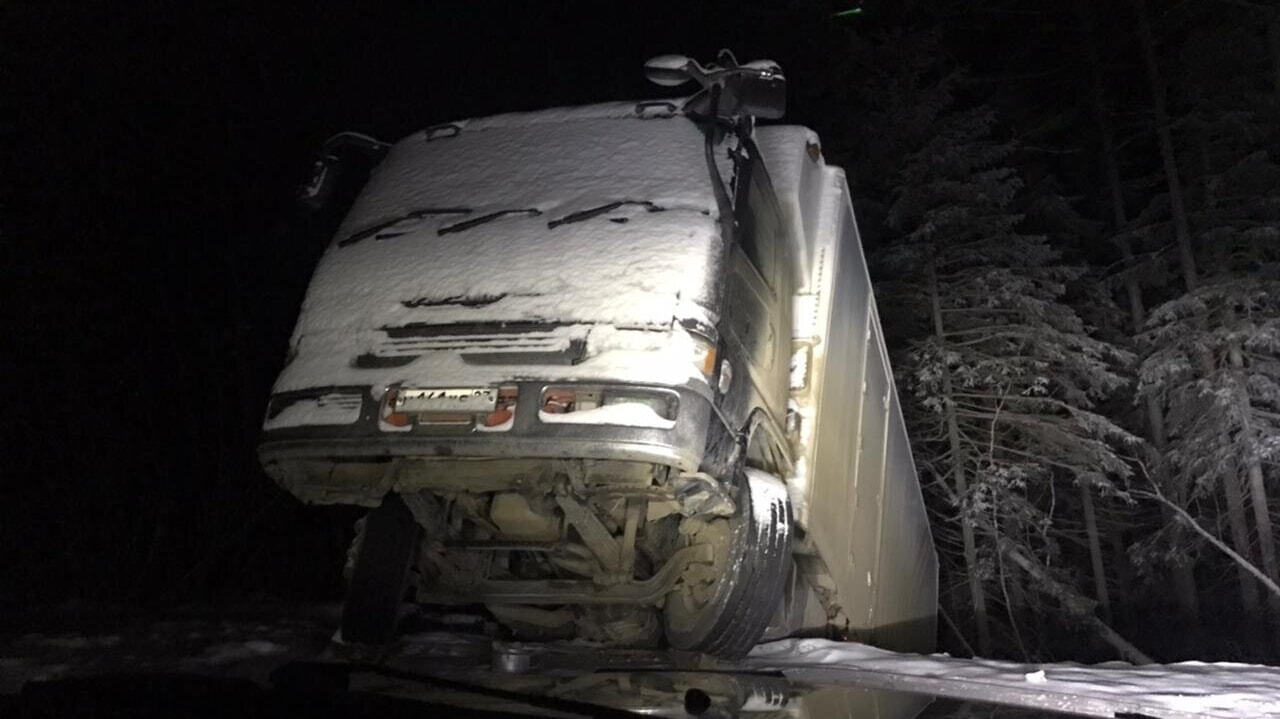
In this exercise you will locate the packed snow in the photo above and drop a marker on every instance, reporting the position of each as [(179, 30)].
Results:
[(628, 414), (331, 408), (1186, 689), (618, 110), (663, 357)]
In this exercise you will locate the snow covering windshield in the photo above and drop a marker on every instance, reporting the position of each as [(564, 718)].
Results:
[(519, 174)]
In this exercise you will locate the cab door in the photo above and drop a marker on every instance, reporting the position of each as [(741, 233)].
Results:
[(758, 289)]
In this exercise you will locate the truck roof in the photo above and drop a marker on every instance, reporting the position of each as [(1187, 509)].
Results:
[(619, 110)]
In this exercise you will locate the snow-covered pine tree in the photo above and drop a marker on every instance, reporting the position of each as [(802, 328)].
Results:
[(1211, 345), (1167, 548), (1092, 515), (1005, 371), (1224, 416)]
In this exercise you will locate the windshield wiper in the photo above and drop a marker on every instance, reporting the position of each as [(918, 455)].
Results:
[(468, 224), (410, 215), (581, 215)]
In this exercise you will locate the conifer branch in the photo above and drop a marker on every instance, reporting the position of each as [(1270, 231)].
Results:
[(1210, 537)]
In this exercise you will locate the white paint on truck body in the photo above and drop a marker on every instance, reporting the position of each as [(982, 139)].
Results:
[(854, 489)]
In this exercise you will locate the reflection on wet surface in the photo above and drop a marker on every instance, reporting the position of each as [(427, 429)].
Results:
[(665, 694), (459, 669)]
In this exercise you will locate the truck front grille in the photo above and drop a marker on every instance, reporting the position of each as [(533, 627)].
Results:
[(481, 343)]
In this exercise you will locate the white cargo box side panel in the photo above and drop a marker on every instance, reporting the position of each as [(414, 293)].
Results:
[(857, 492)]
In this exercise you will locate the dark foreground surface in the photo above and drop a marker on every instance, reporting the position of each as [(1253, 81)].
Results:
[(283, 661)]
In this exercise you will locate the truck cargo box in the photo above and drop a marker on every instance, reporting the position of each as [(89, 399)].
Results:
[(855, 490)]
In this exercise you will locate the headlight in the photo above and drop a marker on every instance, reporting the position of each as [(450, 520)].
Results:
[(302, 410)]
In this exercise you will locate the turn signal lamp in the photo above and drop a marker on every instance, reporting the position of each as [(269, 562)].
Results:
[(704, 356)]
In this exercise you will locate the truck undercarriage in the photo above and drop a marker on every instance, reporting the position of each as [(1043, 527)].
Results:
[(622, 553)]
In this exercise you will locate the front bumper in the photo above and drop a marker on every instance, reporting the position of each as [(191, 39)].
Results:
[(359, 462)]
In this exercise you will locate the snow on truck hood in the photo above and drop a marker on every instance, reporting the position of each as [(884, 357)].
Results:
[(500, 224)]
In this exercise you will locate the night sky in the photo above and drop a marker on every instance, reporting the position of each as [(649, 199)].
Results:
[(154, 261)]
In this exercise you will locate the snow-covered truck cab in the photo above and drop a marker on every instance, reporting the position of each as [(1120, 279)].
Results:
[(553, 352)]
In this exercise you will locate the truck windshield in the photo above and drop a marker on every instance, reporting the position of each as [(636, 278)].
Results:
[(558, 220), (386, 228)]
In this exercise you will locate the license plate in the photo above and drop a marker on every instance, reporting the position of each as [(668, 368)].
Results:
[(448, 399)]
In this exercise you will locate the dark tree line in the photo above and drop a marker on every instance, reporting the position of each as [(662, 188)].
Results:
[(1079, 264)]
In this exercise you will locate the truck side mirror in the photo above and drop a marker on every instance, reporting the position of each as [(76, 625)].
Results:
[(315, 192), (669, 70), (333, 162), (757, 88), (761, 92)]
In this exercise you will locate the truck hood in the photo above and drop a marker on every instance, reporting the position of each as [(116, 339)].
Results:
[(633, 267)]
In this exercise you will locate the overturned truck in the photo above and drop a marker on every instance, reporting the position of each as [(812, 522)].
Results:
[(612, 373)]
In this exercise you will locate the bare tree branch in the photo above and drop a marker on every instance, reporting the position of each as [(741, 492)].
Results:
[(1210, 537)]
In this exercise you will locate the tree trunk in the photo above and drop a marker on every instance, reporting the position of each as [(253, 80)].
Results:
[(1254, 640), (1257, 488), (1177, 208), (1240, 541), (1077, 606), (1095, 554), (1186, 258), (1081, 608), (1231, 489), (1267, 540), (1190, 275), (1184, 579), (1120, 559), (1273, 42), (1217, 543), (976, 593), (1019, 596)]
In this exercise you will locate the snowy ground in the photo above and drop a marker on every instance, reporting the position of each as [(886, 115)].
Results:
[(1186, 689), (250, 647)]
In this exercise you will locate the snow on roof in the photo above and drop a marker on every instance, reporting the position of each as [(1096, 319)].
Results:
[(626, 109), (537, 251), (548, 160)]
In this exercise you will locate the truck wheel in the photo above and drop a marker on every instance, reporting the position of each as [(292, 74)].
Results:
[(380, 574), (724, 608)]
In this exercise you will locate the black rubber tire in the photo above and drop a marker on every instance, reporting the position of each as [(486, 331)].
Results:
[(750, 590), (381, 573)]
